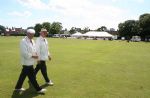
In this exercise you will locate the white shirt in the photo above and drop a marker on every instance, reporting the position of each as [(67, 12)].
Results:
[(27, 50), (42, 48)]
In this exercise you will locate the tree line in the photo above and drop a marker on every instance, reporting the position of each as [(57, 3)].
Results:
[(53, 28), (127, 29), (56, 28), (140, 27)]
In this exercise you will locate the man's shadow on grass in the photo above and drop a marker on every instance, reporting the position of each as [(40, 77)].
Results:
[(28, 93)]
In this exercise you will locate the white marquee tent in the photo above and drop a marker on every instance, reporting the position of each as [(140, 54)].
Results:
[(97, 34)]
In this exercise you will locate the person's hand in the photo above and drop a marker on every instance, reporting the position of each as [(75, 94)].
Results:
[(49, 57), (35, 56), (38, 62)]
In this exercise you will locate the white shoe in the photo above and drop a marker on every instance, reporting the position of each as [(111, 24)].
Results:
[(21, 89), (50, 83), (42, 91)]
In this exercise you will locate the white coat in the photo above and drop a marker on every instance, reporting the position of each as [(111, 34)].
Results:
[(42, 48), (27, 49)]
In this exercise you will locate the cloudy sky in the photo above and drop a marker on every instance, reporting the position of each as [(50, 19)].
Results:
[(71, 13)]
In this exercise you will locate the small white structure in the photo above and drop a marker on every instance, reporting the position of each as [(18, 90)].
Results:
[(122, 38)]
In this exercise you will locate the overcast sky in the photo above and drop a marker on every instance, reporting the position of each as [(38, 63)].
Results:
[(71, 13)]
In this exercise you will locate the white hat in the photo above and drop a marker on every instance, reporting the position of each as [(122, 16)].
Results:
[(32, 31), (43, 30)]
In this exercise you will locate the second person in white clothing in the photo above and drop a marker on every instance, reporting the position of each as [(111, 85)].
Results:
[(44, 55)]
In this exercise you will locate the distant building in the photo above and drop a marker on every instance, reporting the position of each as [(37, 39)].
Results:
[(14, 31)]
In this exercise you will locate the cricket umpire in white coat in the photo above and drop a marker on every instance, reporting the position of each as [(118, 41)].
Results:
[(28, 58), (43, 54)]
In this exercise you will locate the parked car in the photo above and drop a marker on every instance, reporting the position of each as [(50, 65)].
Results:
[(56, 36), (136, 38)]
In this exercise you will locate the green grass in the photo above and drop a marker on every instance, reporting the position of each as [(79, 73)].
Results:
[(82, 69)]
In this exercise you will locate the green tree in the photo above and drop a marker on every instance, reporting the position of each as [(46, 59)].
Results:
[(102, 28), (37, 29), (72, 30), (46, 25), (86, 29), (2, 29), (128, 29), (30, 27), (55, 28), (144, 22)]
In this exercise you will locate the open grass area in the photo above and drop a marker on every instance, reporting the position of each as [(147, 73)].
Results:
[(82, 69)]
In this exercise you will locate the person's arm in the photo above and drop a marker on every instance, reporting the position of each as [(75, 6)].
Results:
[(37, 45), (49, 55)]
